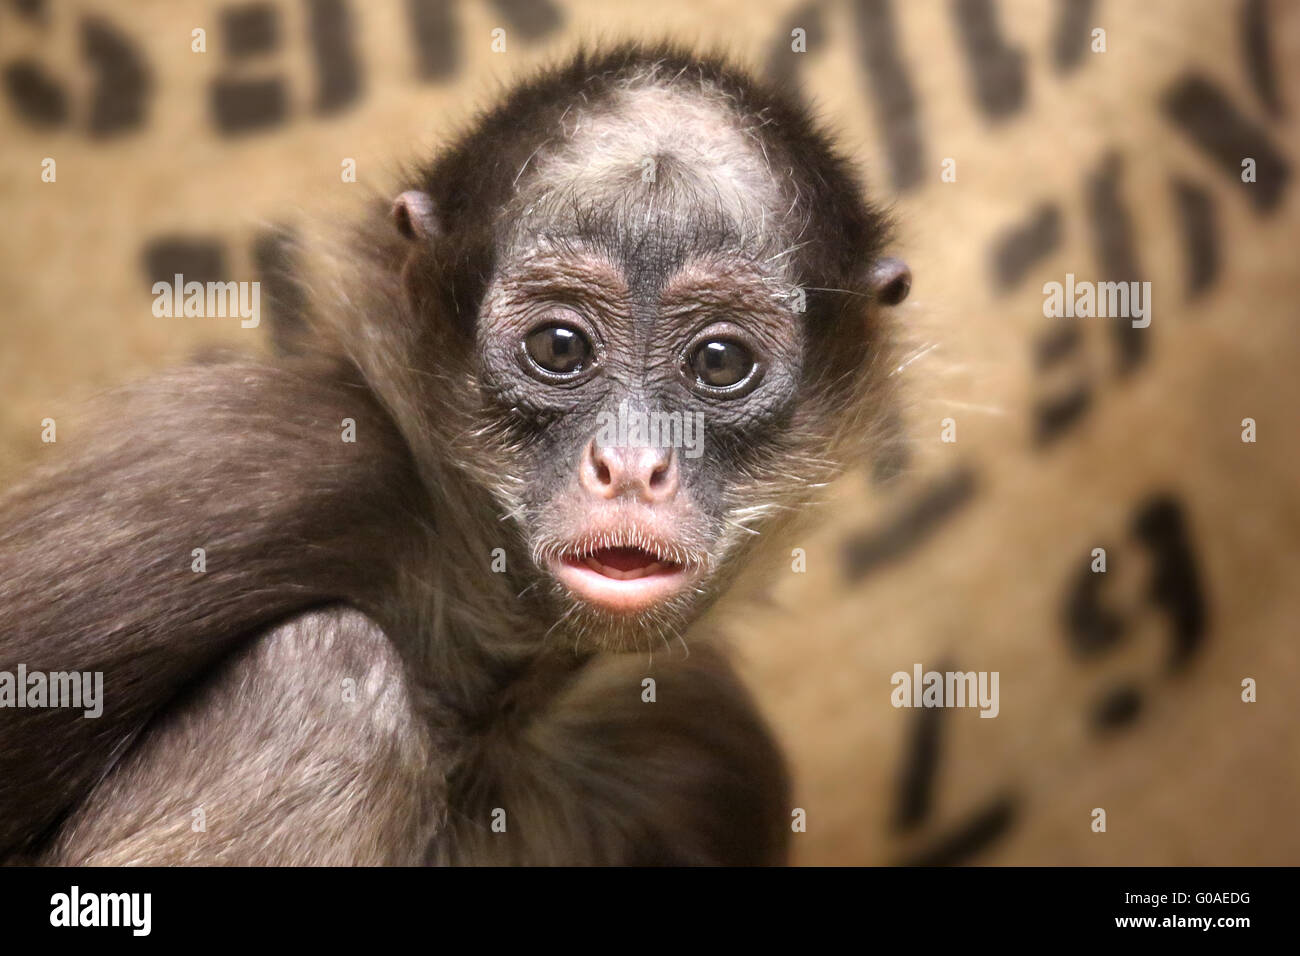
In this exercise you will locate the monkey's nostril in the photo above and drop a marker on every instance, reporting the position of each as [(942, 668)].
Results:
[(661, 482), (598, 473)]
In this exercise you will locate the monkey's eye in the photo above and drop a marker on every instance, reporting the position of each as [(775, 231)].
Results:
[(721, 363), (558, 349)]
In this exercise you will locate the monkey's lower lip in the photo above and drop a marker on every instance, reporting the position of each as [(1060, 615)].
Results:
[(621, 579)]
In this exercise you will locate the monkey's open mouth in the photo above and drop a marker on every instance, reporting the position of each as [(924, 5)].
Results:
[(626, 564), (626, 580)]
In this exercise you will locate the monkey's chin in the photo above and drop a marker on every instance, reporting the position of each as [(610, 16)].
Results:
[(620, 590)]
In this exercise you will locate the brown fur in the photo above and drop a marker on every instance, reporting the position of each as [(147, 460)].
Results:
[(224, 687), (243, 461)]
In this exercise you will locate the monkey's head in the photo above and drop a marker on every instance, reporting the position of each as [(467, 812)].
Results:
[(663, 287)]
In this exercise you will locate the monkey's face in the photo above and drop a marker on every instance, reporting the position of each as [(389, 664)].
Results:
[(655, 381), (645, 399)]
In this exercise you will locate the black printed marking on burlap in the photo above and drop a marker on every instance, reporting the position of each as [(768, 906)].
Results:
[(533, 19), (1070, 38), (1020, 247), (35, 10), (1161, 525), (196, 259), (1090, 626), (998, 71), (1056, 415), (896, 105), (435, 31), (1198, 221), (1118, 707), (35, 97), (970, 838), (122, 80), (250, 29), (247, 106), (1256, 48), (1116, 251), (1203, 112), (338, 71), (907, 530), (1057, 342), (916, 783)]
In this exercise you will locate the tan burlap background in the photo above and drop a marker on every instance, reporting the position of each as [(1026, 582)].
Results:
[(976, 555)]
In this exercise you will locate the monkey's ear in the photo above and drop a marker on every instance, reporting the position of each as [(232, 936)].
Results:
[(414, 216), (890, 280)]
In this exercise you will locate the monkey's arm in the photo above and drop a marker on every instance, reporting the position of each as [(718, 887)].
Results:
[(601, 774), (303, 748), (97, 553)]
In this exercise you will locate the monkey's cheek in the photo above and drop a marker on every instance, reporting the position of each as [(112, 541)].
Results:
[(628, 596)]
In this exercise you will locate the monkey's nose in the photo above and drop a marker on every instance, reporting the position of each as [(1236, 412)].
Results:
[(649, 474)]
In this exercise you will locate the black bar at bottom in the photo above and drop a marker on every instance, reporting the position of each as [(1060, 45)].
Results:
[(818, 906)]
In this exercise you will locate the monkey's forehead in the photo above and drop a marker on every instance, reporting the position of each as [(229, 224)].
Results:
[(654, 158), (689, 284)]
